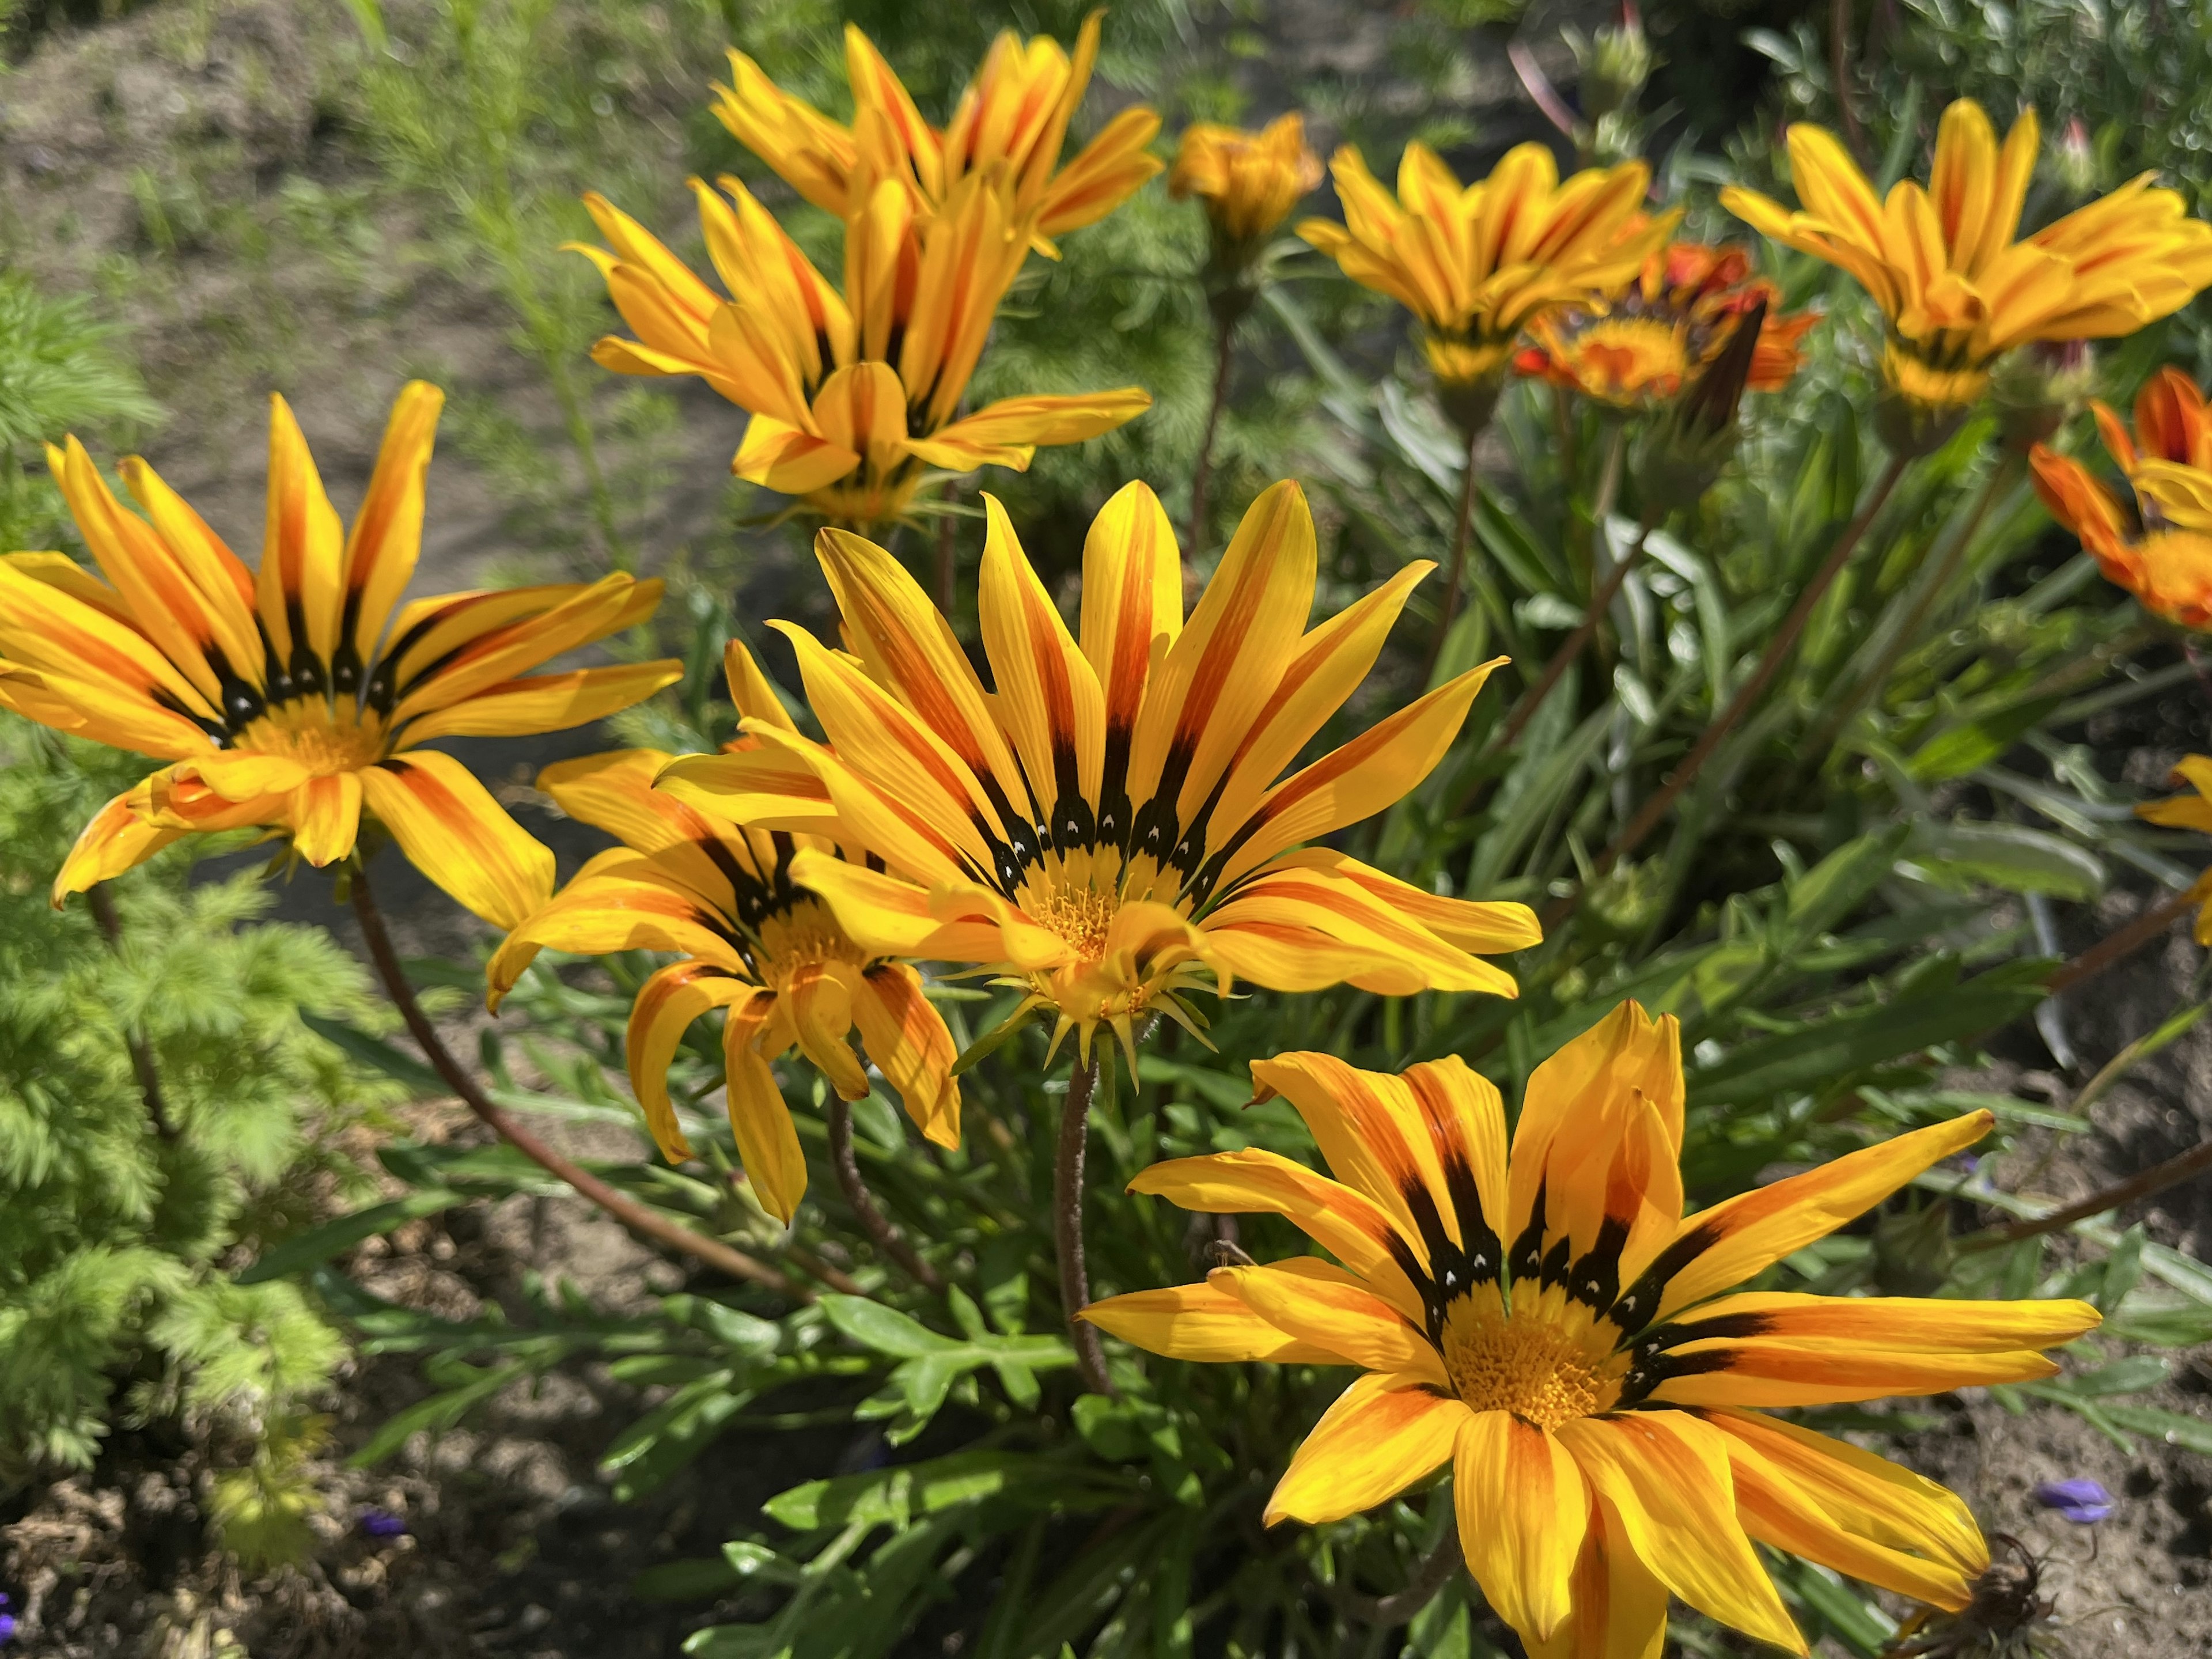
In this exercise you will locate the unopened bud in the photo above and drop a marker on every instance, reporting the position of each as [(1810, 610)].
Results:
[(2038, 387), (2074, 161), (1615, 63), (1685, 449)]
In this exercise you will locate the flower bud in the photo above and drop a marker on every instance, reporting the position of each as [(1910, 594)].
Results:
[(1685, 449), (1615, 63), (2074, 161), (2036, 386)]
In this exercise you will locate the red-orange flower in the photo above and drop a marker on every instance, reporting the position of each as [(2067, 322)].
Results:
[(2168, 563), (1673, 319)]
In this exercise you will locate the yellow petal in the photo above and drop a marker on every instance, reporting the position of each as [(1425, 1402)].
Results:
[(1523, 1509), (1378, 1437), (454, 831)]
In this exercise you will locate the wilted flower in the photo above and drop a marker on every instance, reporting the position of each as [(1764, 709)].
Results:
[(1475, 264), (1010, 122), (295, 699), (1108, 828), (1248, 181), (2168, 563), (1548, 1322), (851, 395), (1942, 262), (1641, 345), (2081, 1501), (688, 880)]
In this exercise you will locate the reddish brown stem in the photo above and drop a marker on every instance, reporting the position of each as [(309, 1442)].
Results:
[(134, 1041), (1572, 646), (1463, 527), (874, 1221), (639, 1218), (2156, 1179), (1662, 799), (2124, 942), (1067, 1224), (1839, 70), (1194, 541)]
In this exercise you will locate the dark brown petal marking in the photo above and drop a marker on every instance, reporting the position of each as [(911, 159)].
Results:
[(1481, 1251), (1595, 1281), (1636, 1310), (1525, 1260), (1654, 1365)]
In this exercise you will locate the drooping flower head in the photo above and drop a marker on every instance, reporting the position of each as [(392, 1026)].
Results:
[(2168, 563), (852, 395), (296, 697), (1941, 261), (721, 897), (2190, 812), (1675, 317), (1476, 264), (1106, 827), (1248, 182), (1010, 119), (1549, 1322)]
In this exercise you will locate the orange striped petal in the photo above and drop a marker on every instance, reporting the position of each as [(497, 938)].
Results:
[(454, 831), (1344, 1318), (1523, 1509), (1376, 1438), (907, 1040), (1200, 1322), (665, 1007)]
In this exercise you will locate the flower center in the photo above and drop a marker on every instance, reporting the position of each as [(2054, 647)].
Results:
[(802, 936), (306, 731), (1528, 1365), (1620, 358), (1080, 915)]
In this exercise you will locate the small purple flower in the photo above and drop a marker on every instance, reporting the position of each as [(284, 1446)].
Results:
[(382, 1524), (2082, 1502), (7, 1626)]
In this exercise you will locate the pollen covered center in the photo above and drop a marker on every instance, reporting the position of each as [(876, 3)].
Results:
[(1082, 916), (802, 936), (1625, 356), (307, 731), (1529, 1366)]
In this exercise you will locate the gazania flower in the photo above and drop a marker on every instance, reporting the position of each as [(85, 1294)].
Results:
[(297, 697), (1011, 118), (2190, 812), (852, 396), (1476, 264), (1248, 181), (1106, 827), (1550, 1323), (689, 881), (1676, 318), (1942, 262), (2168, 564)]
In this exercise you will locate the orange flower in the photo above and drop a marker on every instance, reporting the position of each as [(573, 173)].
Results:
[(1248, 181), (1012, 121), (1675, 318), (2167, 565)]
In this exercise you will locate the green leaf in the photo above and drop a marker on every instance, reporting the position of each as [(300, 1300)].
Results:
[(894, 1496), (1858, 1625), (666, 1438), (2190, 1433), (1959, 750), (313, 1248), (437, 1413), (883, 1330), (2008, 855), (2130, 1375)]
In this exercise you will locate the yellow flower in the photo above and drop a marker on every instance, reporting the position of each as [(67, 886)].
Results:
[(1011, 118), (1942, 262), (295, 698), (1248, 181), (688, 880), (1476, 264), (1551, 1324), (2190, 812), (1106, 827), (851, 395)]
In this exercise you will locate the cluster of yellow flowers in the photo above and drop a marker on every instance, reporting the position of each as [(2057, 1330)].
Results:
[(1118, 821)]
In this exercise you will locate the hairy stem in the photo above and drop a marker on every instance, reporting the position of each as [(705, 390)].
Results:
[(1223, 356), (1462, 526), (1067, 1224), (1433, 1572), (1662, 799), (1571, 647), (874, 1221), (142, 1054), (639, 1218), (2121, 943)]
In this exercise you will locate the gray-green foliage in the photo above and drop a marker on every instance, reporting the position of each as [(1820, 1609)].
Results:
[(114, 1234), (60, 371)]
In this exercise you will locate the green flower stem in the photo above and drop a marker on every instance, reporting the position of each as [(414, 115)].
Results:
[(142, 1055), (1224, 330), (874, 1221), (1463, 527), (1571, 647), (1430, 1576), (1662, 799), (1931, 594), (1067, 1224), (639, 1218)]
